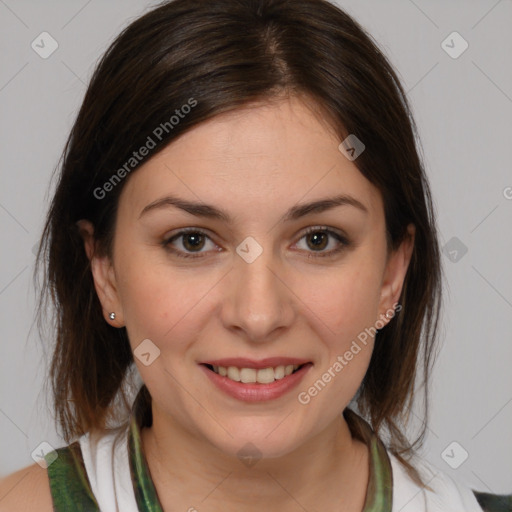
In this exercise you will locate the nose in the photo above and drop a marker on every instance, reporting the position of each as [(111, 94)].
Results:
[(258, 301)]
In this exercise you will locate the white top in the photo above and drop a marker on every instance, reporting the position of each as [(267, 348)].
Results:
[(107, 465), (449, 495), (108, 469)]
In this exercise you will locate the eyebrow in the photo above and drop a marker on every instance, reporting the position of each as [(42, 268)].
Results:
[(294, 213)]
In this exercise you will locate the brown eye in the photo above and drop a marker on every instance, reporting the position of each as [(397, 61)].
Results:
[(191, 243), (319, 238)]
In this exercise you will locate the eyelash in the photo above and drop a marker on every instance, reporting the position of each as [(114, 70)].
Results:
[(344, 242)]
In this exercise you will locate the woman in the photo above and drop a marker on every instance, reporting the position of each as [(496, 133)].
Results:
[(243, 219)]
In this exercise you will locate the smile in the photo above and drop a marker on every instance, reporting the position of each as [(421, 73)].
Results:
[(252, 375), (255, 381)]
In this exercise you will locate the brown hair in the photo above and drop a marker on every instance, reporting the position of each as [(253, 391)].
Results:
[(226, 54)]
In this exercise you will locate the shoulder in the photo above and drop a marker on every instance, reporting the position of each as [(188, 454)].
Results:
[(445, 493), (27, 489)]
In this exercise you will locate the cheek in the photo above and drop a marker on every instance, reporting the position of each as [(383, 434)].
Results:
[(345, 300), (159, 302), (343, 313)]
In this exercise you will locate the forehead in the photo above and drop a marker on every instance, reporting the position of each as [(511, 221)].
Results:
[(262, 156)]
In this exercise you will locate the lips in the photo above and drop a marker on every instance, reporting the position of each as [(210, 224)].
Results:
[(251, 380)]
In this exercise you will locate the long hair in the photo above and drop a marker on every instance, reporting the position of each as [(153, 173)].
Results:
[(216, 57)]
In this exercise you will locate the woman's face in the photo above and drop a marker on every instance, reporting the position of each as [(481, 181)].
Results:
[(257, 291)]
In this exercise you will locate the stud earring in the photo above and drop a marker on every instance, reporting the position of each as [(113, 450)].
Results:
[(112, 316)]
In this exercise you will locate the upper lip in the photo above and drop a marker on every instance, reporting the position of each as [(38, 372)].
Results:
[(269, 362)]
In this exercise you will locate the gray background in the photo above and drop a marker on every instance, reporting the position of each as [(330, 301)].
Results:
[(463, 107)]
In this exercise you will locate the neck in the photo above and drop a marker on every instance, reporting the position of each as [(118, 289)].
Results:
[(187, 470)]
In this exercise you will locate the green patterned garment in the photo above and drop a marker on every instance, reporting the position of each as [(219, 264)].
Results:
[(71, 490)]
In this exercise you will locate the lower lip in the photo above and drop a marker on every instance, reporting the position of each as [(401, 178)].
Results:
[(257, 392)]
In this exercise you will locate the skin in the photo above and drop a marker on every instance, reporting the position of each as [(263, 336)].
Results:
[(255, 163)]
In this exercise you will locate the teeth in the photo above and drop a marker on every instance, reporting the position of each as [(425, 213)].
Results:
[(251, 375), (248, 375), (233, 373), (279, 372), (265, 375)]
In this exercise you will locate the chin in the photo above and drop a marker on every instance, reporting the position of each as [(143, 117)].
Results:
[(261, 438)]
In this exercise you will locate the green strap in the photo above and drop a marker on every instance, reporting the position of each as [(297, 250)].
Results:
[(379, 496), (494, 502), (143, 487), (69, 485)]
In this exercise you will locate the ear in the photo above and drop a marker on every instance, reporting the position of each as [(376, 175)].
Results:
[(394, 275), (103, 275)]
